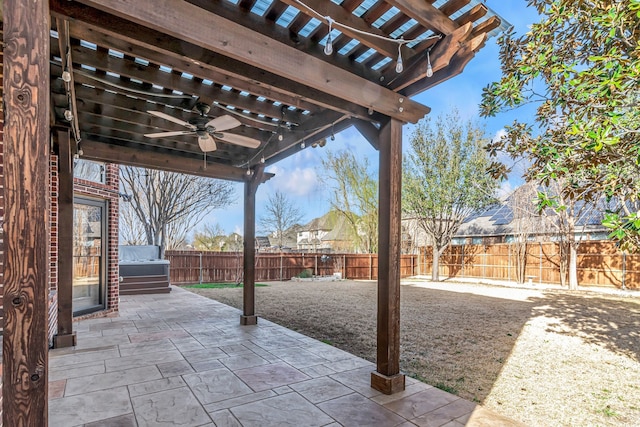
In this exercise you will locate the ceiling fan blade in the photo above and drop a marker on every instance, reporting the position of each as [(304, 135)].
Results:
[(168, 134), (223, 123), (207, 144), (233, 138), (171, 119)]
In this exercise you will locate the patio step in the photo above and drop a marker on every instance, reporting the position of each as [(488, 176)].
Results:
[(133, 285)]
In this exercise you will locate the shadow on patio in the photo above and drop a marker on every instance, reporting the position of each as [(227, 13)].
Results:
[(182, 359)]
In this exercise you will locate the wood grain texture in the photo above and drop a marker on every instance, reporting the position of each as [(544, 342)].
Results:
[(389, 243), (26, 226), (65, 234), (248, 289)]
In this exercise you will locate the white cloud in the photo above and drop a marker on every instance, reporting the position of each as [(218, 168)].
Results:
[(296, 182), (501, 133)]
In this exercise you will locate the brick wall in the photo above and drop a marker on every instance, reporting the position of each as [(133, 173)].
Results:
[(53, 248), (108, 191)]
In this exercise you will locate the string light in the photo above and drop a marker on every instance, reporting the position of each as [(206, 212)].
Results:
[(68, 115), (302, 144), (262, 159), (328, 47)]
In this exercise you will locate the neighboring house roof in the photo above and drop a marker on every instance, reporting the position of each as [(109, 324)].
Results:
[(499, 219)]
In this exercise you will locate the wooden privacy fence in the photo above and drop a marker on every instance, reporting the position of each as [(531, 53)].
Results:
[(218, 267), (599, 263)]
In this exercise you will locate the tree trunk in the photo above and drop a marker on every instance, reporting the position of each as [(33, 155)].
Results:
[(573, 268), (564, 263), (521, 261), (435, 276), (163, 241)]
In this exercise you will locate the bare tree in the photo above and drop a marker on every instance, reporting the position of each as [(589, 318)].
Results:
[(355, 196), (167, 205), (131, 230), (281, 214)]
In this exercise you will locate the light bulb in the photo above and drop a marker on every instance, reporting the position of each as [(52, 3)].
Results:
[(280, 137), (262, 159), (248, 171), (302, 144), (399, 65), (66, 76), (333, 137), (68, 115), (429, 69), (328, 47), (80, 152)]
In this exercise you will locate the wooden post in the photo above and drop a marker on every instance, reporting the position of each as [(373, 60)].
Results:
[(248, 316), (27, 212), (65, 337), (387, 377)]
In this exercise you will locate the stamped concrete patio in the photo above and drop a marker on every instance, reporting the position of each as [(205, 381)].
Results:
[(180, 359)]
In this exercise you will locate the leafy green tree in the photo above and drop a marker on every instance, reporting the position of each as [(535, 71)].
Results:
[(580, 64), (445, 178), (355, 196)]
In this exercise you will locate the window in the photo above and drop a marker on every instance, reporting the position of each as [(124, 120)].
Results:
[(91, 171)]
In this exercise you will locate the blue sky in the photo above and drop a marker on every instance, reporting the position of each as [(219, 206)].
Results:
[(298, 176)]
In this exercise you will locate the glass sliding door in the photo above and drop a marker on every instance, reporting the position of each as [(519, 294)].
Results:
[(89, 231)]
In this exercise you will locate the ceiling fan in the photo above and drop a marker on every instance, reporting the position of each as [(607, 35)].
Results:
[(207, 130)]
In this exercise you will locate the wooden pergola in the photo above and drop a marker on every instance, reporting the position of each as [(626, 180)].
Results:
[(81, 77)]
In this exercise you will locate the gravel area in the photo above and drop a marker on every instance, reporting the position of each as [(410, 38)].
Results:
[(546, 357)]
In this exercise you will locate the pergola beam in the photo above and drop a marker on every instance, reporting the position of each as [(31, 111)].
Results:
[(195, 25), (102, 152), (426, 14)]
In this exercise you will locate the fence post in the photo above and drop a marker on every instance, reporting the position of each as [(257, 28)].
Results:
[(370, 268), (200, 278), (509, 263), (540, 273), (624, 270), (316, 264), (344, 266), (281, 266), (412, 271)]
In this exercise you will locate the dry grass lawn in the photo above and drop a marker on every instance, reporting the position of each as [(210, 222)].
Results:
[(543, 357)]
